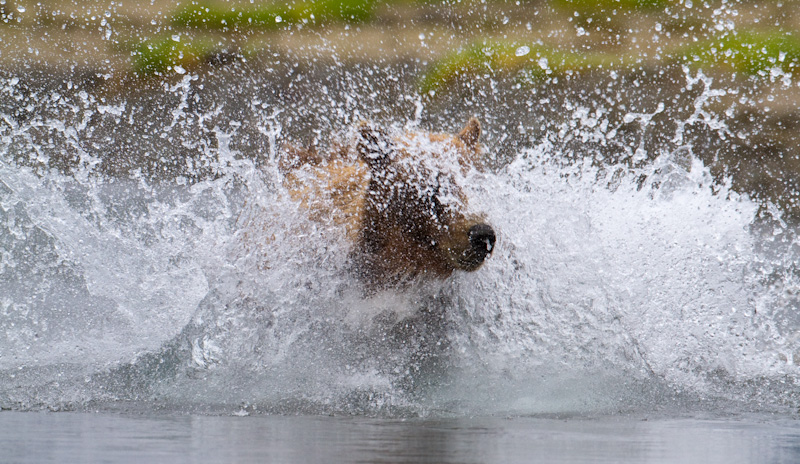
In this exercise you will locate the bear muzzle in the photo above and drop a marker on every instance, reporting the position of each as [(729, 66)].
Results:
[(481, 243)]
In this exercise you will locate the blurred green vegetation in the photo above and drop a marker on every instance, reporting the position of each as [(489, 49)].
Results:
[(464, 39), (215, 15), (176, 52), (157, 56), (749, 52), (503, 57)]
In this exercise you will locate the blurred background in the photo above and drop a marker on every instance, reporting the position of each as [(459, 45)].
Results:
[(152, 37), (540, 59)]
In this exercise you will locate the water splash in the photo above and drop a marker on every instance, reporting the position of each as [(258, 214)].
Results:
[(626, 276)]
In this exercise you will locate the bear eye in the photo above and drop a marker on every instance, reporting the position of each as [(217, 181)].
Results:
[(437, 203), (437, 206)]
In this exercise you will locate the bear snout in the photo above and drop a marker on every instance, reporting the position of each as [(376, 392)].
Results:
[(481, 239)]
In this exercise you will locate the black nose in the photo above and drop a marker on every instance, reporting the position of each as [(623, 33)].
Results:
[(482, 239)]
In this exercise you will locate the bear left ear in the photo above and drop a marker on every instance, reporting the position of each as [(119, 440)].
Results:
[(471, 133), (374, 146)]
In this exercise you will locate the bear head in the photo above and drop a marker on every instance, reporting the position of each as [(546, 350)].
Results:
[(416, 221)]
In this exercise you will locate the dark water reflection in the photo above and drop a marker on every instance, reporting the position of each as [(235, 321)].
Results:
[(104, 437)]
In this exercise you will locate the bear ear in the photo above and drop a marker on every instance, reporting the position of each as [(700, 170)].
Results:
[(374, 145), (471, 133)]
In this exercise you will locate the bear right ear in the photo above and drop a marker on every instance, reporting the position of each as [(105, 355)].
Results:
[(374, 146)]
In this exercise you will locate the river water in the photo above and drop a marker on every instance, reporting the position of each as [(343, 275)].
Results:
[(639, 307), (103, 437)]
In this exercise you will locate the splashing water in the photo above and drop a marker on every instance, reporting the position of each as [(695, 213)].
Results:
[(623, 282)]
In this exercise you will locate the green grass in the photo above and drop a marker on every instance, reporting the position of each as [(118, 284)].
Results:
[(214, 15), (160, 56), (748, 52), (499, 57)]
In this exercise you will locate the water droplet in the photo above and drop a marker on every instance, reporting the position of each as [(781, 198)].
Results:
[(522, 51), (542, 63)]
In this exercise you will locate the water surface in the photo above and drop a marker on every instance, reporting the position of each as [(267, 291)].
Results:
[(104, 437)]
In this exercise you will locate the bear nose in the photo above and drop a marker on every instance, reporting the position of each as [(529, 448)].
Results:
[(482, 239)]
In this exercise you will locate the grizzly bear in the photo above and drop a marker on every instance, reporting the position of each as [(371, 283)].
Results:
[(399, 201)]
